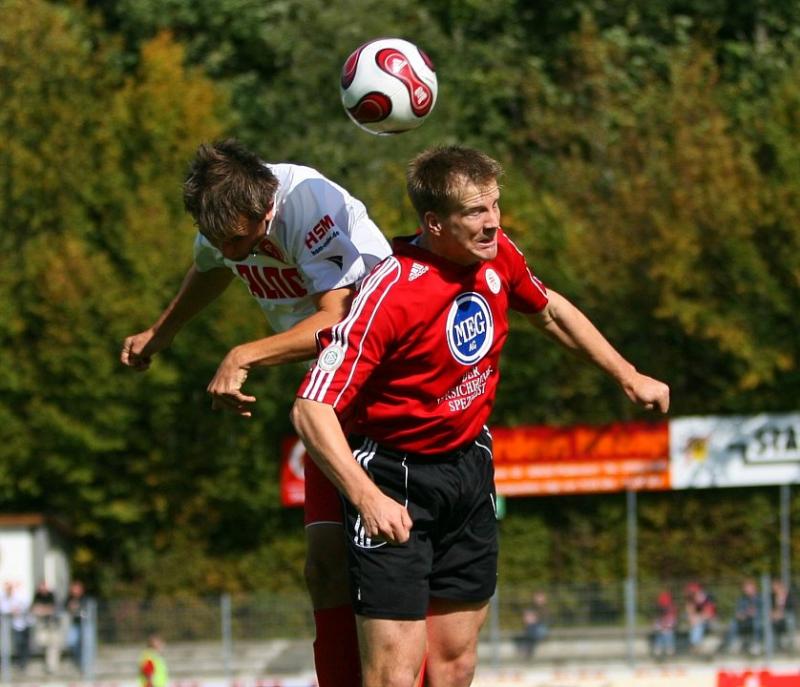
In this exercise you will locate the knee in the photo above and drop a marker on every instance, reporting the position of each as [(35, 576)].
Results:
[(388, 676), (462, 670), (456, 671)]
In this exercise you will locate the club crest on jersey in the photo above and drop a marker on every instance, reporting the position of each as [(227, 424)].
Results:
[(470, 328), (331, 358), (493, 281)]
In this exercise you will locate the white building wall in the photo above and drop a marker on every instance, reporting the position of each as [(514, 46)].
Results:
[(16, 559)]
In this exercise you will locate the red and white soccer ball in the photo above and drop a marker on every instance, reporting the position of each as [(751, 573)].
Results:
[(388, 86)]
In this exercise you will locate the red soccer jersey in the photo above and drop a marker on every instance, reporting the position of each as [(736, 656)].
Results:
[(414, 365)]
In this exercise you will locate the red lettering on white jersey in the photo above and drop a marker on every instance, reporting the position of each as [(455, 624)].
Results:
[(268, 284), (294, 281), (318, 232), (272, 282), (246, 274)]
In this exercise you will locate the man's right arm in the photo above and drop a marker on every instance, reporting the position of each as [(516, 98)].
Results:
[(196, 292), (318, 426)]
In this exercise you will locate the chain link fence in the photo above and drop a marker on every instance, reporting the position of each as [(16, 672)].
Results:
[(577, 622)]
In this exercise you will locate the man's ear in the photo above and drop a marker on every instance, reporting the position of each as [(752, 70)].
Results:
[(431, 224)]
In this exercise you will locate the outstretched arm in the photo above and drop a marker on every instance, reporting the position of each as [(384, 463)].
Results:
[(196, 292), (317, 425), (296, 343), (567, 325)]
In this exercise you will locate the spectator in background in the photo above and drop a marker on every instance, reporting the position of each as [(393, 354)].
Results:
[(13, 604), (782, 615), (152, 666), (75, 606), (47, 626), (666, 620), (745, 626), (535, 625), (701, 613)]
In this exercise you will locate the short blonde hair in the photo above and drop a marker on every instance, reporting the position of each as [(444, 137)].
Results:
[(435, 177)]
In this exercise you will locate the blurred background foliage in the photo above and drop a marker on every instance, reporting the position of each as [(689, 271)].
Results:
[(652, 151)]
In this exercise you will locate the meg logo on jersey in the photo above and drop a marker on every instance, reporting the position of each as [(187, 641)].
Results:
[(470, 328)]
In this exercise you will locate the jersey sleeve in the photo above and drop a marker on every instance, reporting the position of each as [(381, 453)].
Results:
[(318, 222), (206, 257), (527, 293), (354, 347)]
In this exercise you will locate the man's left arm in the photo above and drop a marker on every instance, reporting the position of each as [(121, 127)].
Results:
[(567, 325), (295, 344)]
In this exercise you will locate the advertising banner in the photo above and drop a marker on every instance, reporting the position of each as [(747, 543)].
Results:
[(735, 451), (684, 453), (293, 457), (758, 678), (539, 460)]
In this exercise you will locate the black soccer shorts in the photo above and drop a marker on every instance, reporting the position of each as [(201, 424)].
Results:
[(452, 550)]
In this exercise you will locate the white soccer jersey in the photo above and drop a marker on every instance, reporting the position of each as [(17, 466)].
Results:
[(320, 238)]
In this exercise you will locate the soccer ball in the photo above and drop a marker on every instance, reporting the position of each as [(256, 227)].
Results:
[(388, 86)]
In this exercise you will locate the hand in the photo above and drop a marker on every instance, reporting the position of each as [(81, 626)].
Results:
[(226, 387), (383, 517), (647, 392), (139, 349)]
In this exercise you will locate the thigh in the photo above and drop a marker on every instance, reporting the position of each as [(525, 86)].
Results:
[(387, 581), (392, 651), (465, 563), (326, 566), (453, 628), (323, 504)]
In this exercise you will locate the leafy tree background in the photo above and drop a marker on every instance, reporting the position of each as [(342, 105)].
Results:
[(651, 151)]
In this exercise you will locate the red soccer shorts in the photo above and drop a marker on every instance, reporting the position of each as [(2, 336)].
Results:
[(323, 503)]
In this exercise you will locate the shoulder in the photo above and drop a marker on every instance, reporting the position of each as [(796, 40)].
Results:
[(509, 259), (289, 173), (206, 257), (303, 190), (388, 285), (300, 181), (506, 248), (385, 275)]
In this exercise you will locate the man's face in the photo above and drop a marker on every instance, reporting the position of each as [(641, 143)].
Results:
[(245, 239), (469, 233)]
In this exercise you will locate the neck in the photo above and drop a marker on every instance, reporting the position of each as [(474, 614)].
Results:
[(429, 243)]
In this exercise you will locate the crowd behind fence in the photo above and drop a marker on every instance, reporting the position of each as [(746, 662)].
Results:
[(526, 623)]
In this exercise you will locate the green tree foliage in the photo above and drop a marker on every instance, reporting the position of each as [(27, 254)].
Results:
[(652, 176)]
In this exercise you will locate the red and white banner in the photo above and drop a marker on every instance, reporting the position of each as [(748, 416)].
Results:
[(293, 460), (582, 459), (758, 678), (684, 453)]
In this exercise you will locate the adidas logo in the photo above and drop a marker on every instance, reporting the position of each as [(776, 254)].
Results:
[(417, 270)]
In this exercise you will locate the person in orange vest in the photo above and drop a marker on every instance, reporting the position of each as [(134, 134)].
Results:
[(152, 666)]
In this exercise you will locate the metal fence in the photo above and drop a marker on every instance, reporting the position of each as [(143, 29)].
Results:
[(584, 621)]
